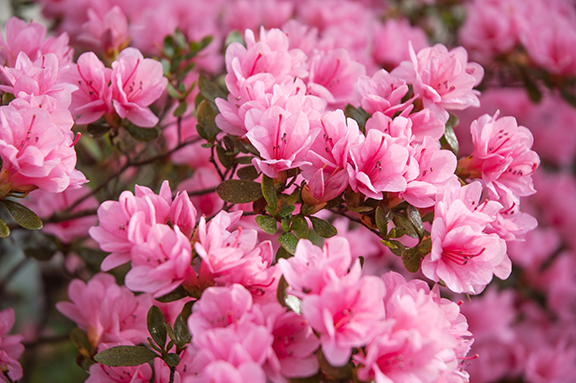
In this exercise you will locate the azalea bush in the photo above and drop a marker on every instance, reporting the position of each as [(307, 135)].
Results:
[(289, 191)]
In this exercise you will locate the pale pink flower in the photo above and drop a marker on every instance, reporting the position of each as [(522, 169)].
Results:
[(311, 269), (502, 156), (108, 313), (108, 33), (327, 175), (463, 255), (221, 371), (377, 164), (136, 83), (333, 75), (442, 79), (35, 152), (162, 262), (345, 315), (11, 347), (391, 39), (282, 139), (20, 37), (204, 178), (100, 373), (552, 364), (45, 204), (92, 100), (381, 93), (252, 14)]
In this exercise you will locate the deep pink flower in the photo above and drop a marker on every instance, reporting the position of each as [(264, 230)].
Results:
[(377, 165), (109, 313), (108, 33), (136, 83), (443, 79), (345, 315), (11, 347)]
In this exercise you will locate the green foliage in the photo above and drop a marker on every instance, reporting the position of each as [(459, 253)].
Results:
[(239, 191), (22, 215), (125, 356)]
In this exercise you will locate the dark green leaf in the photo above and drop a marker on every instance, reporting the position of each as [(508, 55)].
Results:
[(143, 134), (209, 89), (172, 359), (357, 114), (4, 229), (7, 98), (267, 224), (80, 339), (223, 157), (342, 373), (22, 215), (282, 253), (181, 332), (286, 211), (285, 223), (125, 356), (187, 311), (323, 228), (568, 95), (428, 217), (174, 295), (181, 109), (239, 191), (205, 116), (449, 139), (414, 216), (247, 173), (96, 129), (243, 160), (300, 227), (395, 247), (406, 224), (269, 192), (157, 326), (288, 242), (206, 41), (281, 292), (173, 92), (169, 46), (411, 260), (311, 379), (383, 216), (530, 84)]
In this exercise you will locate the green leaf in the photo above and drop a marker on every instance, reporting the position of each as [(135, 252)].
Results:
[(143, 134), (269, 192), (7, 98), (357, 114), (428, 217), (282, 253), (223, 157), (176, 294), (181, 109), (449, 139), (234, 37), (300, 227), (181, 332), (187, 311), (403, 222), (22, 215), (288, 242), (209, 89), (341, 373), (96, 129), (172, 359), (311, 379), (4, 229), (267, 224), (205, 116), (383, 216), (247, 173), (286, 211), (323, 228), (157, 326), (239, 191), (243, 160), (285, 223), (530, 84), (411, 260), (125, 356), (80, 339), (169, 46), (395, 247), (281, 292), (173, 92), (414, 216), (41, 253)]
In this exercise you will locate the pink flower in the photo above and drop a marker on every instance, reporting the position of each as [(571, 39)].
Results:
[(310, 270), (92, 99), (345, 315), (45, 204), (333, 75), (377, 165), (391, 41), (443, 79), (162, 262), (20, 37), (136, 83), (100, 373), (463, 255), (282, 139), (11, 347), (381, 93), (35, 152), (109, 313), (109, 33), (502, 156)]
